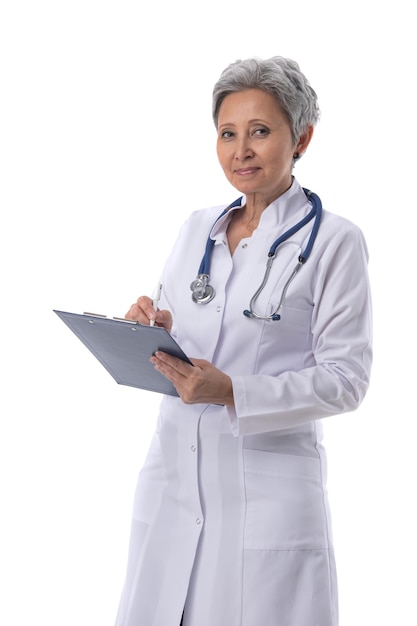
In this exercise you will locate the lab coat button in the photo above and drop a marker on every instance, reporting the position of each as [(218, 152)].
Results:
[(198, 520), (193, 448), (244, 245), (219, 308)]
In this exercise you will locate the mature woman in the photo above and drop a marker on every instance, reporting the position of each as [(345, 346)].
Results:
[(231, 524)]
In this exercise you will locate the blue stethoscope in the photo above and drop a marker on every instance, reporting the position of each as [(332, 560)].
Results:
[(202, 292)]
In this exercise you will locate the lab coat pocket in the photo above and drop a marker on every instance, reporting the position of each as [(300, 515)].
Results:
[(291, 335), (284, 502)]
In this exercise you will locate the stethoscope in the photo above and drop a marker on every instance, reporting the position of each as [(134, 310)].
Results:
[(203, 292)]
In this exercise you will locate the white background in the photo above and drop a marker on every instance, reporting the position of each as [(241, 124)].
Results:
[(106, 145)]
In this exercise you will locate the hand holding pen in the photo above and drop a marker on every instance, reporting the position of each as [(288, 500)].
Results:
[(145, 310)]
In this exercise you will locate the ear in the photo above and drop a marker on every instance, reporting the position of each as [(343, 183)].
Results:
[(304, 140)]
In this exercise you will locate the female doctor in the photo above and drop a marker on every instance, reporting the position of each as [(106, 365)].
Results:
[(231, 524)]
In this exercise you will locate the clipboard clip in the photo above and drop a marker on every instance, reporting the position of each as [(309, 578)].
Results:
[(104, 317)]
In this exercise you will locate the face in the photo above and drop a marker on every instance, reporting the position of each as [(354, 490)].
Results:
[(255, 146)]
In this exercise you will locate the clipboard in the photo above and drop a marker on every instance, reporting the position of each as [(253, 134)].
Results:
[(124, 348)]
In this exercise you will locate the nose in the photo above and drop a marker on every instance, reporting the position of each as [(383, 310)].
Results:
[(243, 149)]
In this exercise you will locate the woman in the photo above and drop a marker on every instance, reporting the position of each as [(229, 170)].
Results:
[(231, 523)]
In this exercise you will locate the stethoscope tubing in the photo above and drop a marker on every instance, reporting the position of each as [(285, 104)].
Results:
[(204, 293), (204, 268), (274, 316)]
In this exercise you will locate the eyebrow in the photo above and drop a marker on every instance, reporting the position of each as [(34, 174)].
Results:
[(254, 121)]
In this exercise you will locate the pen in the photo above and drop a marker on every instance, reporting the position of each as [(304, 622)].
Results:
[(155, 300)]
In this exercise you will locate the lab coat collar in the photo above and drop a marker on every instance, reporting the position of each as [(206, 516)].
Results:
[(287, 209)]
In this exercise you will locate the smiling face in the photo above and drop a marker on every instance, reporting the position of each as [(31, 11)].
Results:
[(255, 146)]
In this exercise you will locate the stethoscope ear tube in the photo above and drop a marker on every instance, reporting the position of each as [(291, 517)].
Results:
[(274, 317), (318, 209)]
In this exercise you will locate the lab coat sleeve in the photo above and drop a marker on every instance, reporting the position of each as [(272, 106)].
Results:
[(341, 329)]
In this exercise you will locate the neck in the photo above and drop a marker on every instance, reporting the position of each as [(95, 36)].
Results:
[(256, 203), (253, 209)]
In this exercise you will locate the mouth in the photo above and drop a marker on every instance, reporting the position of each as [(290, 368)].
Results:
[(246, 171)]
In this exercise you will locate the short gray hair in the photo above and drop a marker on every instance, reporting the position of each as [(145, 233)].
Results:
[(279, 77)]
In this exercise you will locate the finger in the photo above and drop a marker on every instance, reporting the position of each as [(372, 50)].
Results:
[(162, 359), (175, 369), (132, 312), (141, 311), (148, 308)]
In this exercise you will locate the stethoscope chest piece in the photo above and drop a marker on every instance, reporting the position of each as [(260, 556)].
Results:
[(202, 292)]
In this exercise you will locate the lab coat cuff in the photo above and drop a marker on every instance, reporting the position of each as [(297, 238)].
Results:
[(239, 396)]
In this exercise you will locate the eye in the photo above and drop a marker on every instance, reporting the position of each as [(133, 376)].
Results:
[(226, 134), (261, 131)]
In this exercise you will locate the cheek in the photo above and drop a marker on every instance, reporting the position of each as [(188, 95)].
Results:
[(220, 153), (224, 159), (281, 160)]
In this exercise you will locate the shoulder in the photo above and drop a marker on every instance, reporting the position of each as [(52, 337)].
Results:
[(203, 219), (337, 232), (206, 214), (334, 224)]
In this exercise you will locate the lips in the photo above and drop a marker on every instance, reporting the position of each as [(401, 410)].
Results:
[(246, 171)]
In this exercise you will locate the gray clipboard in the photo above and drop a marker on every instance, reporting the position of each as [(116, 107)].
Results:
[(124, 348)]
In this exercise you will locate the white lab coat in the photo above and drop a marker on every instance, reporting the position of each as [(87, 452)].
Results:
[(231, 519)]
